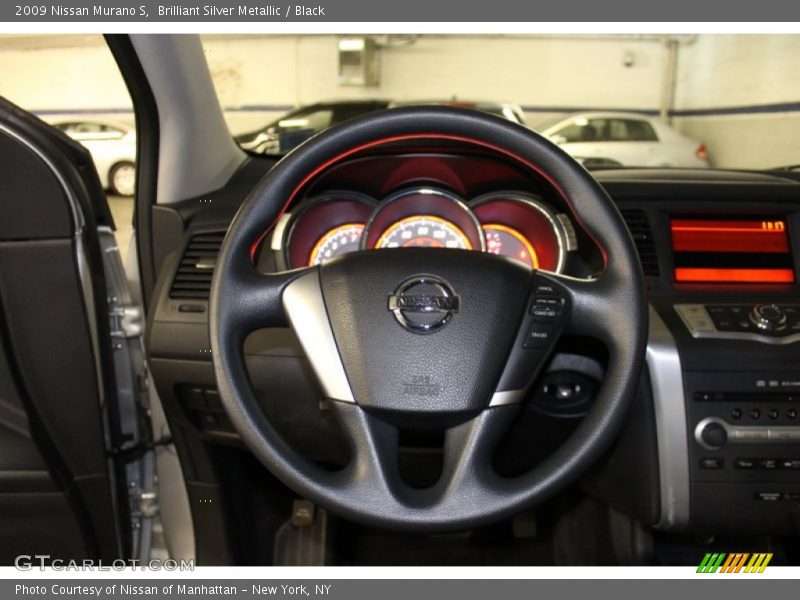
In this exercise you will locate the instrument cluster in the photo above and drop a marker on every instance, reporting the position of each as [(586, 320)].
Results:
[(514, 224)]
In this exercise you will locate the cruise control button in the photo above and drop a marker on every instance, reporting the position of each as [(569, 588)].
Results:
[(538, 336), (545, 289), (544, 313), (552, 302)]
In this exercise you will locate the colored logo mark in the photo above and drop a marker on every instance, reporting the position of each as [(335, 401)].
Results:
[(735, 562)]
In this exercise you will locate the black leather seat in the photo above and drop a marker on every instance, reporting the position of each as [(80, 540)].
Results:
[(58, 494)]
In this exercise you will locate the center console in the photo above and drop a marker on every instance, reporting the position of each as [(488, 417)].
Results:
[(724, 363)]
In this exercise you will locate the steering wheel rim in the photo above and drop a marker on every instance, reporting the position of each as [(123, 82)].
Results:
[(611, 308)]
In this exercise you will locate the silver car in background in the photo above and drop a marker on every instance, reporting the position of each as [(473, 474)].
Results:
[(113, 150), (623, 139)]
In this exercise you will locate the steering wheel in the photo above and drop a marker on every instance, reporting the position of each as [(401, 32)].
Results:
[(428, 338)]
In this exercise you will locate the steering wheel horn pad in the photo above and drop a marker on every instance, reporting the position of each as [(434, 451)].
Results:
[(483, 333), (396, 370)]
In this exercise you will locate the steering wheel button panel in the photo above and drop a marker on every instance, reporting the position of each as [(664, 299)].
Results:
[(539, 331)]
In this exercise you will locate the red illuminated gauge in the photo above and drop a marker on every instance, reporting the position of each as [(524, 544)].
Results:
[(503, 240), (523, 227), (339, 240), (423, 231)]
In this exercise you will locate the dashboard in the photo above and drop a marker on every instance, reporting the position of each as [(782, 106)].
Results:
[(713, 442)]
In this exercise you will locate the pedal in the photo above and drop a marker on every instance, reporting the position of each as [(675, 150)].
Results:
[(303, 539)]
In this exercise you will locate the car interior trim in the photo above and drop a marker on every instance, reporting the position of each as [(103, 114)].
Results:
[(75, 209), (81, 261), (305, 308), (276, 242), (507, 397), (666, 375)]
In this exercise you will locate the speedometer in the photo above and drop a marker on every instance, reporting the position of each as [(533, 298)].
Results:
[(339, 240), (423, 231)]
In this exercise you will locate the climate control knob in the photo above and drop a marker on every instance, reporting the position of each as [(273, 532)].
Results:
[(768, 317)]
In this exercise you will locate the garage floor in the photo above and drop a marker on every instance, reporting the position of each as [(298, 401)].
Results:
[(122, 210)]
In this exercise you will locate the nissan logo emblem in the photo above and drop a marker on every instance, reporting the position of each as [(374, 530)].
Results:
[(423, 304)]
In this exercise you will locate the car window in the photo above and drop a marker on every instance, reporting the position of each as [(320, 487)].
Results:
[(630, 130), (581, 130)]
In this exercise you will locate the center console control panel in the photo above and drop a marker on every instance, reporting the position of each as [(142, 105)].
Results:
[(744, 449), (768, 322)]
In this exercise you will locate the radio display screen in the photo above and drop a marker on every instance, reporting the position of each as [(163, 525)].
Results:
[(731, 250)]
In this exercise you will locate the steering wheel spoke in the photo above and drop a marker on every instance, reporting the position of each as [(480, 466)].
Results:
[(468, 450), (373, 467), (255, 297), (467, 476)]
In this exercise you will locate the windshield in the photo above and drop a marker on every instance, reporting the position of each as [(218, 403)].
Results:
[(685, 101)]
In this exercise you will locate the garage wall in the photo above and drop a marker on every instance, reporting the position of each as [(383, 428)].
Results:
[(740, 94), (61, 76), (538, 72)]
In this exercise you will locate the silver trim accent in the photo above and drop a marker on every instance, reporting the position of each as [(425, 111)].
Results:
[(305, 308), (569, 231), (666, 378), (206, 264), (507, 397), (748, 434), (276, 242), (701, 326)]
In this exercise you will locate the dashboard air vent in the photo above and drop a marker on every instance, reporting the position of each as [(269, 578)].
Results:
[(639, 226), (193, 279)]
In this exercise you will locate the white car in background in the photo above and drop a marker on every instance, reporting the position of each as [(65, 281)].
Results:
[(113, 150), (623, 139)]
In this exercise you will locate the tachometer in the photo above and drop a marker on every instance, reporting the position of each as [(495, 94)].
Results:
[(339, 240), (507, 241), (423, 231), (523, 227)]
